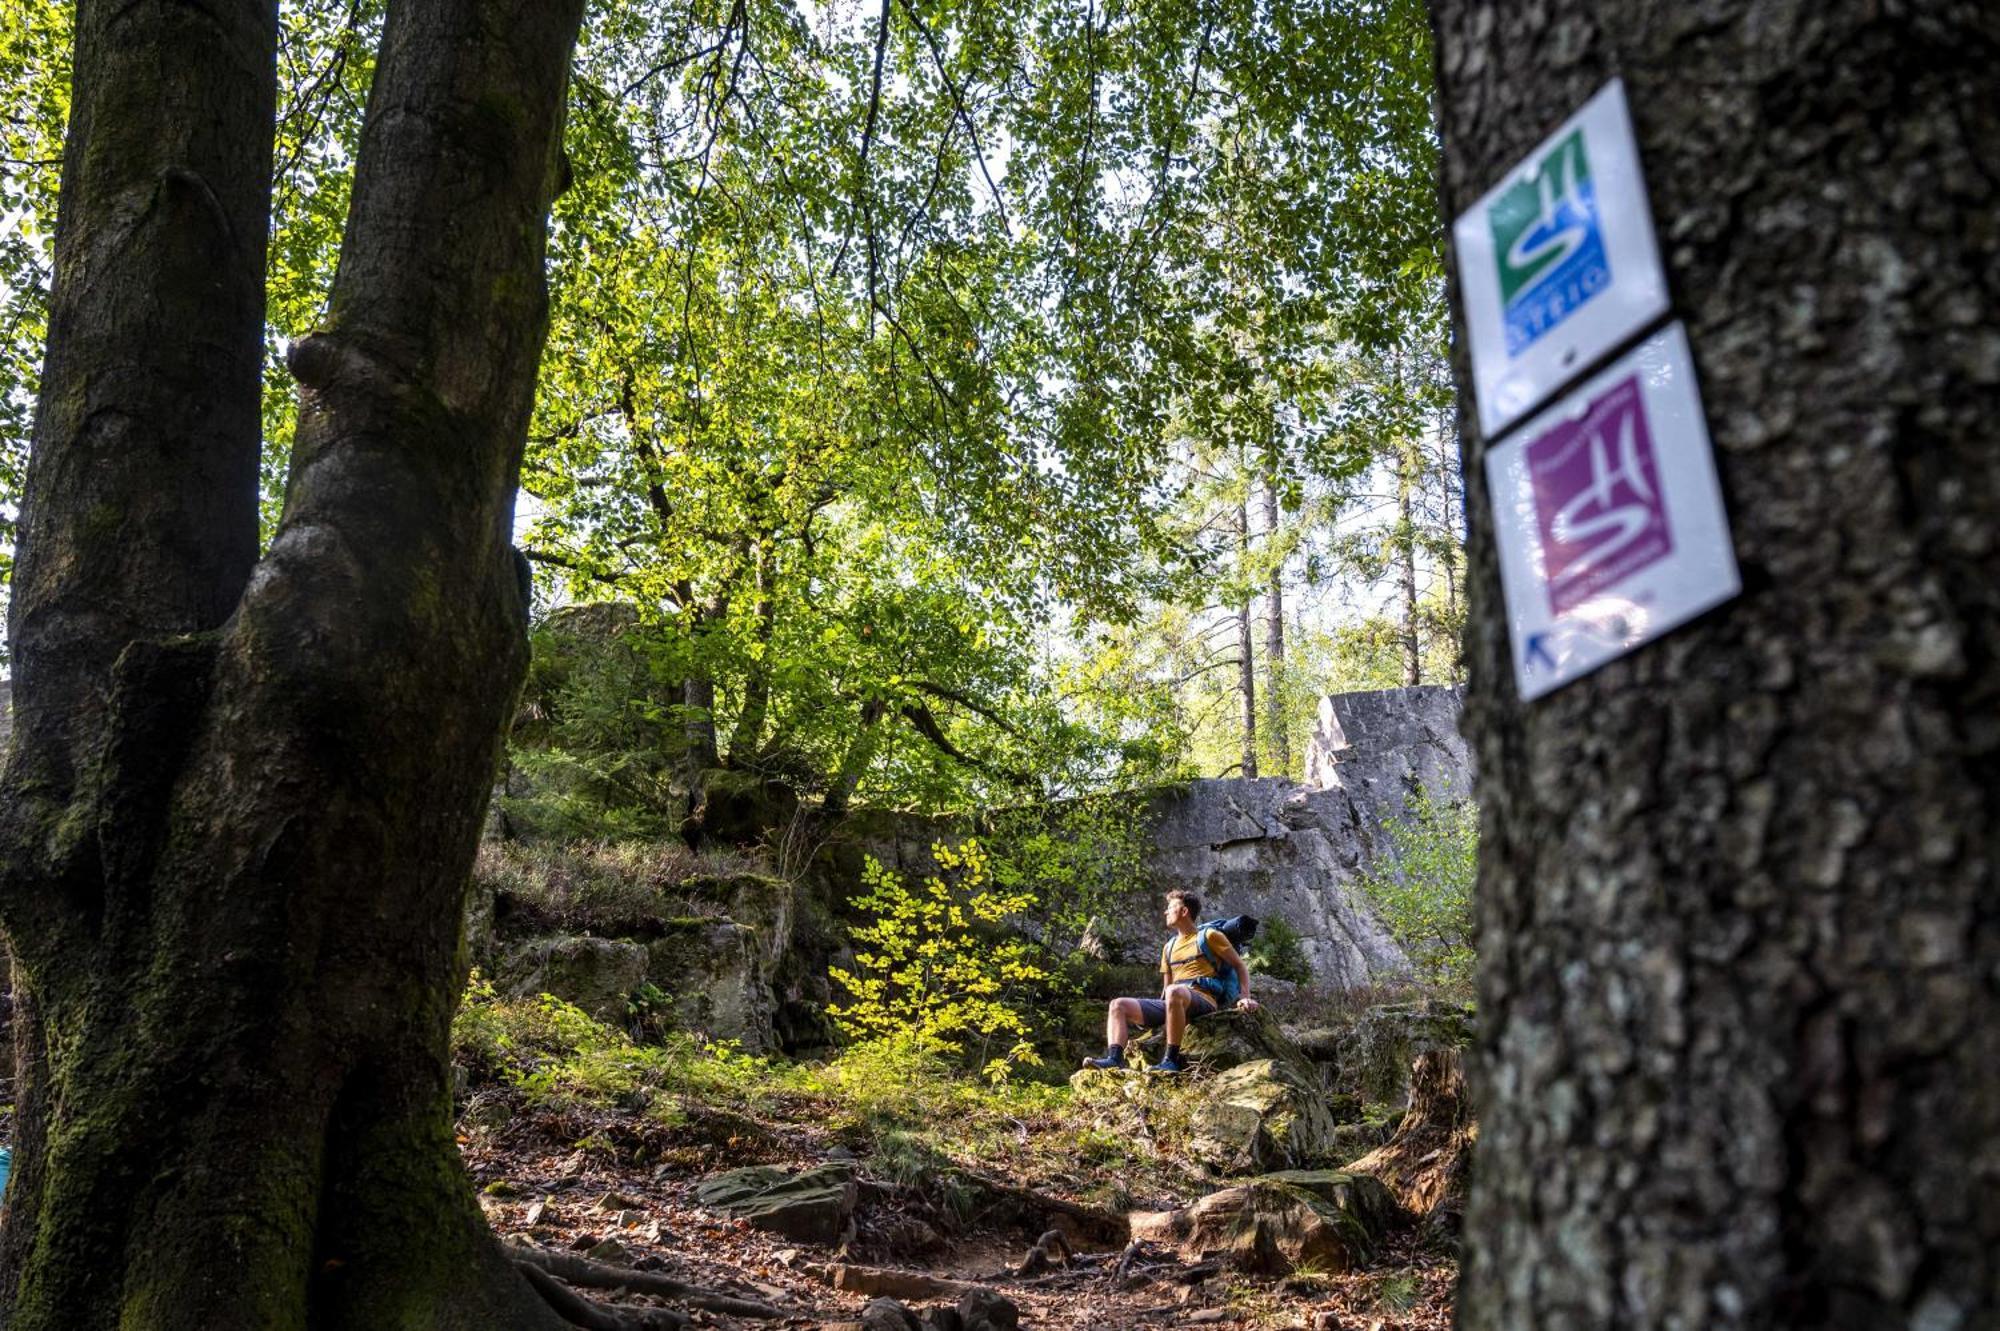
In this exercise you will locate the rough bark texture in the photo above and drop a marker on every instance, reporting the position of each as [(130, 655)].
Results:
[(1274, 641), (1424, 1163), (1246, 656), (1739, 921), (1406, 564), (242, 803)]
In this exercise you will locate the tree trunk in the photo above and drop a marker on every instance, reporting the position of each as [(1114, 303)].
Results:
[(747, 736), (1246, 659), (1274, 637), (241, 805), (854, 763), (1406, 563), (1738, 937), (698, 722)]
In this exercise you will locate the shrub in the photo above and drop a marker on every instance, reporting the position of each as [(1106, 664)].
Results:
[(1424, 890), (935, 964), (1279, 952)]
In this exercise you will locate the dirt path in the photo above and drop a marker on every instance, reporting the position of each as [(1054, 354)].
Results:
[(568, 1198)]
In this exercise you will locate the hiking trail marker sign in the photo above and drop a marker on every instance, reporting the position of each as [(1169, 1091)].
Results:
[(1557, 263), (1608, 516)]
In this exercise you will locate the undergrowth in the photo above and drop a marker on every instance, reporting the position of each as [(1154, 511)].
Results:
[(914, 1112)]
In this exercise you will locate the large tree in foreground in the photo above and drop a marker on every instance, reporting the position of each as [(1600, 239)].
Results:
[(244, 793), (1740, 914)]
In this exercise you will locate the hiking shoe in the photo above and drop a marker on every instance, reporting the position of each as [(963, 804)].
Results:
[(1169, 1065), (1106, 1063)]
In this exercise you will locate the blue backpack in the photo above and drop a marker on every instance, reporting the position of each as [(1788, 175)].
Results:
[(1222, 986)]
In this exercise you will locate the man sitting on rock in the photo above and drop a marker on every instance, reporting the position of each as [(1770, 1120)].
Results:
[(1196, 969)]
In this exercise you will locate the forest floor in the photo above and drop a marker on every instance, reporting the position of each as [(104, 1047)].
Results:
[(576, 1136)]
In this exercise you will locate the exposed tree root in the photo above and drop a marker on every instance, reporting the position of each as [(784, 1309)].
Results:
[(579, 1311), (1101, 1224), (1425, 1163), (551, 1266), (1050, 1252)]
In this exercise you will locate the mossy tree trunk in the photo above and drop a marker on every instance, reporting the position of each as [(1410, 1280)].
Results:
[(244, 794), (1738, 927)]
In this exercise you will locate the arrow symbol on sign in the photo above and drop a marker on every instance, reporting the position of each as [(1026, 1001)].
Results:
[(1538, 646)]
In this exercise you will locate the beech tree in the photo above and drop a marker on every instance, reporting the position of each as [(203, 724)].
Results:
[(244, 792), (1737, 928)]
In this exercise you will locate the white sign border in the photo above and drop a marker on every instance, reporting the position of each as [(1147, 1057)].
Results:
[(1508, 387), (1699, 575)]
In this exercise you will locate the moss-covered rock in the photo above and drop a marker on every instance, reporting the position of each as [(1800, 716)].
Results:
[(738, 808), (1279, 1223), (1231, 1039), (1262, 1115), (715, 974), (598, 975), (812, 1206)]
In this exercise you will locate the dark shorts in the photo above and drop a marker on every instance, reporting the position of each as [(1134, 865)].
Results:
[(1153, 1011)]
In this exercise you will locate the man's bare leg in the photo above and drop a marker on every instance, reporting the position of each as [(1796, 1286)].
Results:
[(1119, 1019), (1177, 1013)]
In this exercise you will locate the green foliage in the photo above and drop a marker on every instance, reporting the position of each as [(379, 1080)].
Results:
[(599, 743), (557, 1054), (936, 966), (886, 344), (1072, 859), (1423, 887), (35, 43), (1279, 952)]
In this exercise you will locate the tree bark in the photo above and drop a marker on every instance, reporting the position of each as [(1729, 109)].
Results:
[(1274, 637), (1406, 563), (1246, 657), (242, 804), (1738, 937), (746, 738), (854, 763)]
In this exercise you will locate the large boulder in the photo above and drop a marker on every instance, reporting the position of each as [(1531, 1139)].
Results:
[(1264, 1106), (716, 975), (1261, 1116), (1375, 1053), (1232, 1039), (598, 975), (1279, 1223), (812, 1206)]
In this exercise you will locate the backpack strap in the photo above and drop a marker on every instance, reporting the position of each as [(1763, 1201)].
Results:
[(1201, 941), (1225, 981)]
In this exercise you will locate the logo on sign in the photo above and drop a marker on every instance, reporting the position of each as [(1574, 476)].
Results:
[(1597, 498), (1549, 243)]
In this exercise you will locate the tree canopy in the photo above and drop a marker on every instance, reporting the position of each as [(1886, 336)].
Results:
[(903, 355)]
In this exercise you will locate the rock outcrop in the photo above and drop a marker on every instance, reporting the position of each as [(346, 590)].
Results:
[(1263, 1107), (598, 975), (1373, 1057), (1262, 1115), (1267, 847)]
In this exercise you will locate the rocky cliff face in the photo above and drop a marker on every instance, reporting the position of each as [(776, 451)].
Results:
[(6, 714), (1272, 848)]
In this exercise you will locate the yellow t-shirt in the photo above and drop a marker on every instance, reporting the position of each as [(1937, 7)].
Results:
[(1185, 961)]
